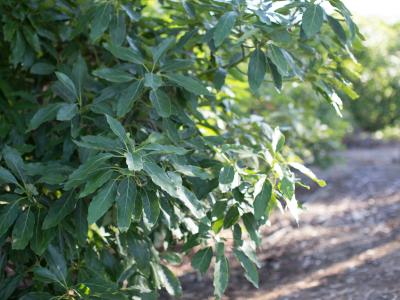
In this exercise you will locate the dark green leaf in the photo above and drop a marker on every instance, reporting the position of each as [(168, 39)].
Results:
[(8, 215), (261, 201), (126, 54), (250, 268), (60, 209), (188, 83), (257, 68), (224, 27), (23, 230), (125, 202), (113, 75), (202, 259), (128, 98), (117, 128), (313, 18), (102, 201), (278, 59), (151, 208), (226, 175), (44, 114), (7, 177), (221, 272), (161, 102), (231, 217), (101, 20), (67, 111)]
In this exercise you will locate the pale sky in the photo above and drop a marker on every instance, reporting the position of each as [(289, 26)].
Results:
[(387, 10)]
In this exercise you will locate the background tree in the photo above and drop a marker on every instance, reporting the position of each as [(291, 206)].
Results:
[(125, 143)]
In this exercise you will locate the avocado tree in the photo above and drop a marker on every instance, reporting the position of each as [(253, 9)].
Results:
[(124, 145)]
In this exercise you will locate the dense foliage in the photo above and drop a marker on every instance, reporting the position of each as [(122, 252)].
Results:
[(378, 105), (125, 145)]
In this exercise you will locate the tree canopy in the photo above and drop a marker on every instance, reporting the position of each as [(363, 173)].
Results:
[(124, 144)]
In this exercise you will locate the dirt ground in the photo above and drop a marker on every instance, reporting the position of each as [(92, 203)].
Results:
[(347, 245)]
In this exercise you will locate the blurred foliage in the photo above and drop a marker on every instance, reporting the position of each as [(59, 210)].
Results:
[(378, 87)]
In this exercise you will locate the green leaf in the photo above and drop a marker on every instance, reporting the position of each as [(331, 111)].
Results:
[(42, 68), (14, 162), (67, 84), (126, 54), (250, 268), (224, 27), (60, 209), (23, 230), (98, 142), (312, 20), (202, 259), (57, 264), (102, 201), (278, 59), (41, 238), (287, 188), (250, 224), (7, 177), (151, 208), (101, 20), (257, 68), (231, 217), (338, 29), (226, 175), (165, 149), (125, 202), (80, 222), (162, 48), (79, 74), (128, 97), (117, 128), (278, 140), (152, 81), (93, 183), (113, 75), (161, 102), (170, 282), (173, 188), (221, 272), (276, 76), (118, 29), (134, 161), (8, 215), (261, 201), (89, 167), (44, 114), (188, 83), (67, 111), (306, 171)]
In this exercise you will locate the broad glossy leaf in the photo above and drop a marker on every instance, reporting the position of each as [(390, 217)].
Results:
[(124, 53), (7, 177), (278, 59), (250, 268), (188, 83), (256, 69), (79, 74), (88, 168), (250, 224), (312, 20), (59, 209), (118, 29), (151, 208), (134, 161), (226, 175), (117, 128), (67, 111), (170, 282), (202, 259), (287, 188), (224, 27), (162, 48), (101, 20), (41, 238), (152, 81), (44, 114), (98, 142), (102, 201), (161, 102), (42, 68), (231, 217), (14, 162), (164, 149), (23, 230), (221, 272), (125, 202), (128, 97), (261, 201), (8, 215), (113, 75), (68, 84)]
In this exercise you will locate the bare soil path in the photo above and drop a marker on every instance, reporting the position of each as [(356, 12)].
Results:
[(347, 245)]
